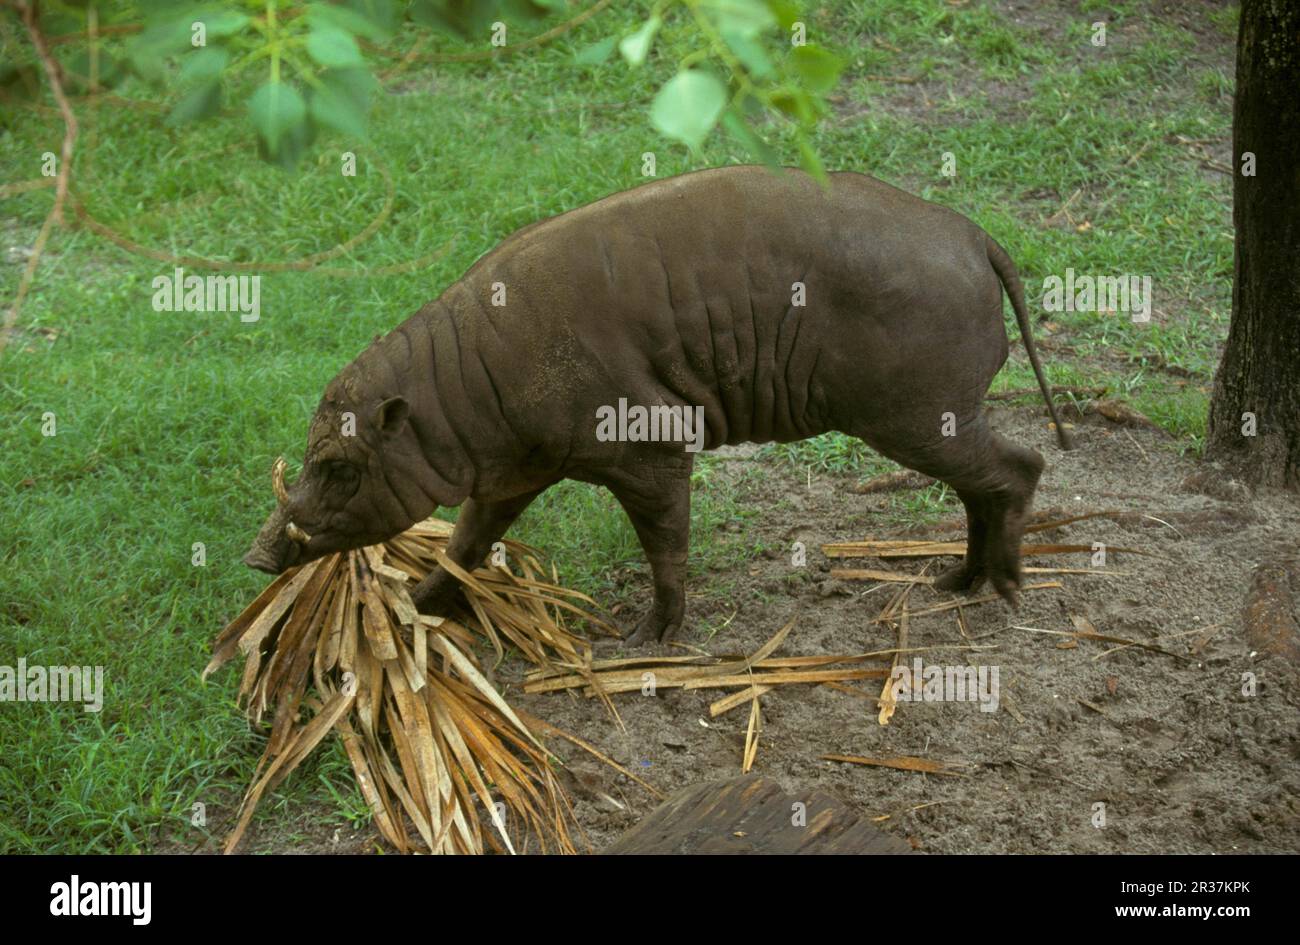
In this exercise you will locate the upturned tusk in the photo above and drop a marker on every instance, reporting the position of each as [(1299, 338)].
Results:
[(277, 480), (296, 534)]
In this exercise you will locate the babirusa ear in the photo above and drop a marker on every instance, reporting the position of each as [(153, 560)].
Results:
[(391, 415)]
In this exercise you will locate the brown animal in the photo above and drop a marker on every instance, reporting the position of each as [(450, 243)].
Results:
[(773, 308)]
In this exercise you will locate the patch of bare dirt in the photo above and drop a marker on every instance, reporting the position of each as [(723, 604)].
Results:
[(1179, 757), (312, 828)]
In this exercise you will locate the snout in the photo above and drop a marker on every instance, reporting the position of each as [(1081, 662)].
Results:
[(278, 545), (262, 561), (273, 557)]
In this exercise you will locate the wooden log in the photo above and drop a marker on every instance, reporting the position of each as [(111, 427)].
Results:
[(1271, 615), (752, 814)]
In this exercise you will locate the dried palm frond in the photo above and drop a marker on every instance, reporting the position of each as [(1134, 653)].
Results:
[(923, 548), (430, 740), (757, 674)]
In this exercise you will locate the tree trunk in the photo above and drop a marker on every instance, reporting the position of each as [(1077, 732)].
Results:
[(1255, 412)]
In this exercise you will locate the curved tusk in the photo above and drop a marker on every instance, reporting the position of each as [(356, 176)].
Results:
[(277, 480), (296, 534)]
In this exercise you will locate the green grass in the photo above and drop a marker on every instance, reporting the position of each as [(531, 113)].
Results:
[(167, 423)]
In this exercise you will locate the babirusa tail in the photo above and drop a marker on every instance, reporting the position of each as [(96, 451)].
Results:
[(1006, 271)]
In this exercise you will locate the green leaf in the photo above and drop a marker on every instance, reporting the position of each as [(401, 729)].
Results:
[(200, 102), (328, 108), (429, 13), (348, 20), (291, 146), (596, 53), (743, 17), (750, 52), (333, 48), (739, 129), (356, 84), (688, 106), (794, 102), (204, 63), (277, 111), (382, 14), (525, 9), (636, 46), (819, 69), (462, 18), (161, 39), (225, 23), (785, 11), (341, 101), (810, 162)]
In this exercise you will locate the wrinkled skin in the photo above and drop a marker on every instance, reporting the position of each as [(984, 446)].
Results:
[(676, 293)]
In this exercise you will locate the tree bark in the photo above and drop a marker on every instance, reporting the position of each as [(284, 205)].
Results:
[(1259, 375)]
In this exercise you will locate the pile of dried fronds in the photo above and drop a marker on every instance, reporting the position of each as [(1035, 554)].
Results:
[(754, 676), (436, 751)]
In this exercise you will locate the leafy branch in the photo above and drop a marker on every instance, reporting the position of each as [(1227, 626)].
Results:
[(751, 61)]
